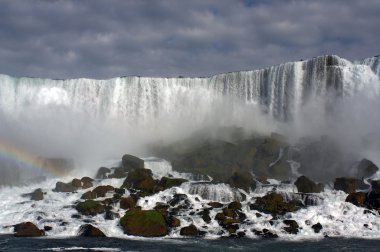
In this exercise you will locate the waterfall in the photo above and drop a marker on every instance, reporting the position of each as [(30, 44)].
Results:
[(279, 91)]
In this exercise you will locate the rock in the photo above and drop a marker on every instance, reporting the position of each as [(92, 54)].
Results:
[(101, 191), (35, 195), (317, 227), (173, 222), (120, 191), (88, 195), (47, 228), (215, 204), (348, 185), (189, 231), (375, 184), (130, 162), (64, 187), (229, 213), (166, 182), (357, 198), (234, 205), (88, 230), (273, 203), (90, 207), (243, 180), (76, 183), (177, 198), (147, 223), (292, 226), (27, 229), (366, 168), (118, 172), (205, 213), (140, 179), (127, 203), (87, 182), (102, 173), (110, 215), (305, 185)]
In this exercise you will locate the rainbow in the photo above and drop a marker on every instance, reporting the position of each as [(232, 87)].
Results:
[(31, 160)]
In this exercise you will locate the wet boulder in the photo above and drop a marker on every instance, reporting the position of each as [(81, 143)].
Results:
[(349, 185), (86, 182), (243, 180), (274, 204), (90, 207), (291, 226), (234, 205), (101, 191), (147, 223), (166, 182), (110, 215), (76, 183), (118, 172), (64, 187), (214, 204), (357, 198), (189, 231), (36, 195), (178, 198), (27, 229), (88, 230), (173, 222), (317, 227), (306, 185), (140, 179), (130, 162), (102, 173), (366, 168), (375, 184), (127, 203)]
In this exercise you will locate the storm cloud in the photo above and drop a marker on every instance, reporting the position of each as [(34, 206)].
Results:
[(104, 39)]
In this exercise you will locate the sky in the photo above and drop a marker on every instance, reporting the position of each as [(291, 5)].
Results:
[(104, 39)]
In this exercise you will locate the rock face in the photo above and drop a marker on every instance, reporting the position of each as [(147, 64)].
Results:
[(88, 230), (273, 203), (140, 179), (90, 207), (306, 185), (130, 162), (348, 185), (189, 231), (27, 229), (147, 223), (243, 180)]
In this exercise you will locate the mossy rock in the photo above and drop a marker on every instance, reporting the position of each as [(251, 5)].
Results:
[(127, 203), (273, 203), (147, 223), (140, 179), (166, 182), (189, 231), (90, 207), (130, 162)]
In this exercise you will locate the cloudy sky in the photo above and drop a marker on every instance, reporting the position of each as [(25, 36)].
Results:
[(104, 39)]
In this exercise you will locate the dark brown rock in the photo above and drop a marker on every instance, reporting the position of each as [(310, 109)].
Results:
[(101, 191), (27, 229), (234, 205), (166, 182), (87, 182), (88, 230), (306, 185), (215, 204), (76, 183), (243, 180), (140, 179), (348, 185), (127, 203), (130, 162), (189, 231), (292, 226), (64, 187), (274, 204), (102, 173), (317, 227), (90, 207), (357, 198)]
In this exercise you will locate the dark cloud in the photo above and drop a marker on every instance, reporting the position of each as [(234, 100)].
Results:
[(103, 39)]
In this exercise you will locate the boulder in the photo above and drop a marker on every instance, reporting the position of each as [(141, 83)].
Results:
[(243, 180), (127, 203), (88, 230), (174, 222), (189, 231), (88, 195), (64, 187), (166, 182), (292, 226), (118, 172), (140, 179), (178, 198), (130, 162), (102, 173), (35, 195), (366, 168), (101, 191), (90, 207), (215, 204), (274, 204), (76, 183), (87, 182), (27, 229), (147, 223), (348, 185), (110, 215), (317, 227), (357, 198), (235, 205), (375, 184), (306, 185)]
